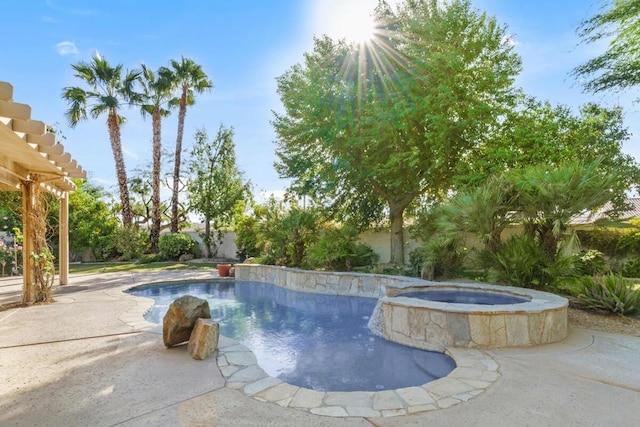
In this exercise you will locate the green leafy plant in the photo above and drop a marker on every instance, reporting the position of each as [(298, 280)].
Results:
[(149, 258), (131, 242), (440, 257), (612, 293), (520, 261), (591, 262), (631, 267), (175, 244), (6, 256), (338, 249), (104, 248)]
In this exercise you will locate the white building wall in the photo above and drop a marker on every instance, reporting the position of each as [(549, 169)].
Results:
[(380, 242), (227, 249)]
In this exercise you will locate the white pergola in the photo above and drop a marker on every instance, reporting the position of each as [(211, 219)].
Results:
[(27, 151)]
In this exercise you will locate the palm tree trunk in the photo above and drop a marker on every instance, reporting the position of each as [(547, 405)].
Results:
[(155, 181), (113, 124), (176, 167)]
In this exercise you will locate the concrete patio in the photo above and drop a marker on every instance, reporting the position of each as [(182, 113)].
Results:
[(90, 359)]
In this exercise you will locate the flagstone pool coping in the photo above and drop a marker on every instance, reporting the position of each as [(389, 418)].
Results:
[(475, 372)]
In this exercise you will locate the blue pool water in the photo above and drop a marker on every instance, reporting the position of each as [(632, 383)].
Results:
[(460, 296), (316, 341)]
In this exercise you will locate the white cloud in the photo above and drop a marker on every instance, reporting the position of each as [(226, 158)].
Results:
[(130, 154), (67, 48), (103, 181)]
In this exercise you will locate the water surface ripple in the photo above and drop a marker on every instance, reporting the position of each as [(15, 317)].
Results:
[(316, 341)]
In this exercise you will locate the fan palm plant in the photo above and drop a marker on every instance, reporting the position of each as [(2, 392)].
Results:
[(156, 95), (551, 196), (189, 79), (109, 90)]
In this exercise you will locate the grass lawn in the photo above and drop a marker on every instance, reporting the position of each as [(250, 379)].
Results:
[(111, 267)]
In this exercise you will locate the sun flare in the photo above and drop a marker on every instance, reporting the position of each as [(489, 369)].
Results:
[(359, 28), (351, 20)]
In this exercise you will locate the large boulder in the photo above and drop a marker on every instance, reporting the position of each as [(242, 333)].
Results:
[(181, 317), (204, 339)]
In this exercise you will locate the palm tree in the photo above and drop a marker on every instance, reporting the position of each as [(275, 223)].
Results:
[(108, 91), (156, 93), (190, 79)]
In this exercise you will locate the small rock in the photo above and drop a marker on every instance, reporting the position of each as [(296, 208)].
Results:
[(232, 272), (185, 257), (182, 315), (204, 339)]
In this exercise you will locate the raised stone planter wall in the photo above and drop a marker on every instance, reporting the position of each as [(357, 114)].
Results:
[(321, 282)]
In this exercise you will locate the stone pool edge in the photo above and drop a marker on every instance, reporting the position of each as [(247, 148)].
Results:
[(475, 372)]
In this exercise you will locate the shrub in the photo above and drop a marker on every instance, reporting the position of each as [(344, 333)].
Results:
[(612, 293), (149, 258), (618, 242), (175, 244), (131, 242), (629, 243), (440, 257), (339, 250), (631, 267), (104, 248), (590, 263), (520, 261)]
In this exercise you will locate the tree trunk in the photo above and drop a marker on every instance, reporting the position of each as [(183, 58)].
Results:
[(548, 240), (207, 238), (396, 213), (155, 181), (176, 167), (114, 135)]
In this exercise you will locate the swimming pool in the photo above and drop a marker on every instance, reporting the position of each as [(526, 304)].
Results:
[(320, 342)]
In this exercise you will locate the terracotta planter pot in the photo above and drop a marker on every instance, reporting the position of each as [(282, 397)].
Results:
[(223, 270)]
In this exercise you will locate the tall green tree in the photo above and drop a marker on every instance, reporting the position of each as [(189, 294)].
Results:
[(537, 132), (189, 79), (618, 68), (156, 93), (141, 192), (216, 184), (91, 220), (109, 89), (381, 124)]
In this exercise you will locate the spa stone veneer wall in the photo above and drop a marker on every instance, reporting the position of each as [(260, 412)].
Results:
[(432, 325)]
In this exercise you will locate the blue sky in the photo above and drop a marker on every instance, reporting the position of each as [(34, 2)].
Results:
[(243, 45)]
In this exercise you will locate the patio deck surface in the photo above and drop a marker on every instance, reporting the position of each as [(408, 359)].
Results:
[(90, 359)]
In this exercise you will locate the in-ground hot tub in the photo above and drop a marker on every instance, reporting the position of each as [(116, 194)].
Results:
[(443, 315), (460, 296)]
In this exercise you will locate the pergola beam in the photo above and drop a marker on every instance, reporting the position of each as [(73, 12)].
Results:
[(30, 157)]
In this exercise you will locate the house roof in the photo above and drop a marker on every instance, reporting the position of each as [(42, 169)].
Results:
[(591, 217)]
